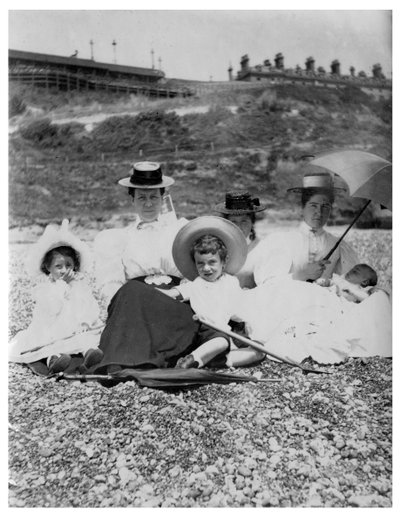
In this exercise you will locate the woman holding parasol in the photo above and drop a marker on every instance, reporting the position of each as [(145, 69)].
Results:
[(298, 319), (300, 253)]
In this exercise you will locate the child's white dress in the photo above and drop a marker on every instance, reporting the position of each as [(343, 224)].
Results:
[(216, 302), (65, 320)]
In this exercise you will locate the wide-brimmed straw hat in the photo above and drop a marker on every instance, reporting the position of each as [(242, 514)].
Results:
[(323, 181), (239, 202), (146, 175), (55, 236), (229, 233)]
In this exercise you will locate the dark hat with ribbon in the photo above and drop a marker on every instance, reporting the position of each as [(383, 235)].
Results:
[(146, 175), (323, 181), (239, 202)]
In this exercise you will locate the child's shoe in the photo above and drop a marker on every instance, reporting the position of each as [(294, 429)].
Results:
[(92, 357), (58, 363), (187, 362)]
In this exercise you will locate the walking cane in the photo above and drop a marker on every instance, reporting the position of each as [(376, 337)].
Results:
[(257, 346)]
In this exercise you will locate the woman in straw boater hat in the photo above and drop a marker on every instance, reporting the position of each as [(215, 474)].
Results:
[(300, 319), (143, 326), (300, 253), (241, 208)]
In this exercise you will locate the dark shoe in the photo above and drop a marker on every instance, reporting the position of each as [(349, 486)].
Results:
[(187, 362), (93, 356), (59, 363)]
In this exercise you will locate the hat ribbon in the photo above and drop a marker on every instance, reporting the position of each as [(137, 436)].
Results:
[(239, 204), (146, 177), (317, 182)]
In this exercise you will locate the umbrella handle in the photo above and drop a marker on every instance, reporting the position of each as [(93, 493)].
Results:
[(256, 345), (347, 230)]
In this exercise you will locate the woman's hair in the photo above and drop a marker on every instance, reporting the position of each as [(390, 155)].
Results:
[(366, 276), (131, 191), (252, 216), (308, 193), (209, 244), (65, 251)]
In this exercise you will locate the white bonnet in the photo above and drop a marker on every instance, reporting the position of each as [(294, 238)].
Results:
[(53, 237)]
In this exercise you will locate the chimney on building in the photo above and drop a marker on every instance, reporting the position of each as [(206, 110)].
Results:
[(310, 64), (279, 61), (244, 62), (230, 70), (377, 71), (335, 67), (352, 71)]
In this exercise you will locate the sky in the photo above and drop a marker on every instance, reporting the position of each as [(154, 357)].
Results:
[(201, 44)]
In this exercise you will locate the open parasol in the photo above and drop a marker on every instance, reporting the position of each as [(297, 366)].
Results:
[(367, 175)]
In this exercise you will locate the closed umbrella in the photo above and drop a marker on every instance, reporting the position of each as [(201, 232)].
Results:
[(164, 378)]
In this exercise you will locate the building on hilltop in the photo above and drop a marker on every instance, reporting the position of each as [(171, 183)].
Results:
[(73, 73), (309, 75)]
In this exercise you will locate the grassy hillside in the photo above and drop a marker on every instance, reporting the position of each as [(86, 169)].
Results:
[(251, 138)]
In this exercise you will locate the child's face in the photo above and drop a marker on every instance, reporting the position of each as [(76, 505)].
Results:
[(354, 278), (209, 266), (60, 265)]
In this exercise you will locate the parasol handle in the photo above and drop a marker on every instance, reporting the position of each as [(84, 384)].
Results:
[(255, 344), (347, 230)]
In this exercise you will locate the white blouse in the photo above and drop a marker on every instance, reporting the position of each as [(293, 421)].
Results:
[(285, 253), (216, 301), (246, 273), (139, 250)]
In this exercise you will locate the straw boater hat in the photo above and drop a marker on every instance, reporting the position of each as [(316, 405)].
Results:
[(146, 175), (317, 180), (53, 237), (239, 202), (229, 233)]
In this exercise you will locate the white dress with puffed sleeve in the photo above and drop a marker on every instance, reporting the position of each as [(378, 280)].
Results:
[(139, 250), (282, 254)]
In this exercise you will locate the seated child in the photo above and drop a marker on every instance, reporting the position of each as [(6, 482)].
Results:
[(214, 294), (356, 285), (65, 318)]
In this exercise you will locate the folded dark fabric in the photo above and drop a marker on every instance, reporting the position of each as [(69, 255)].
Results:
[(162, 377)]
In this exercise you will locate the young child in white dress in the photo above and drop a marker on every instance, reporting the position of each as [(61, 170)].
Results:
[(65, 318), (214, 293)]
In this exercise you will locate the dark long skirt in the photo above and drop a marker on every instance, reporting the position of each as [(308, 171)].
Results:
[(146, 328)]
